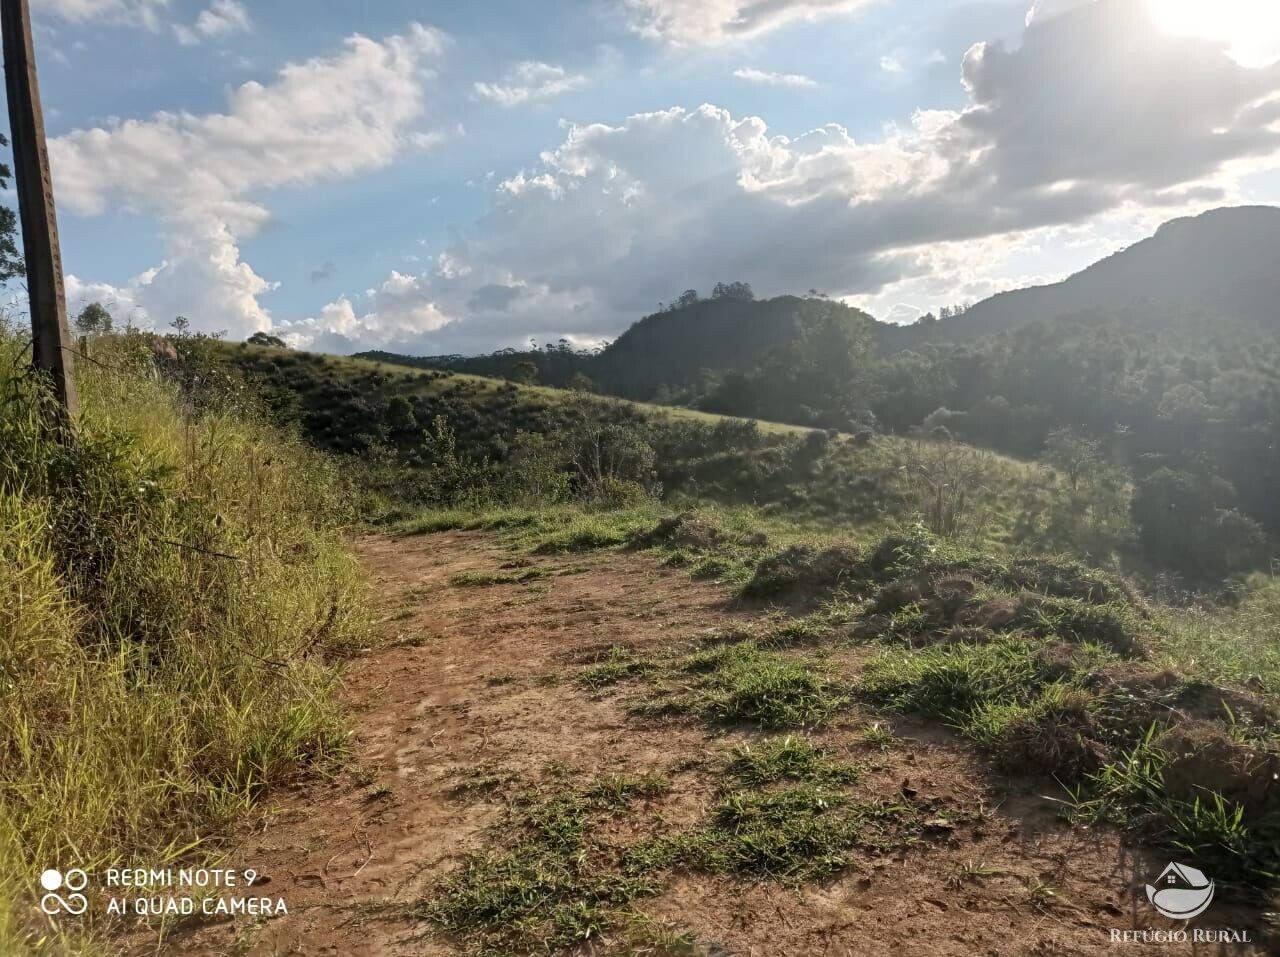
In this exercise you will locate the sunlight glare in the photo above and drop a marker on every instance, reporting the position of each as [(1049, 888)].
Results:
[(1250, 29)]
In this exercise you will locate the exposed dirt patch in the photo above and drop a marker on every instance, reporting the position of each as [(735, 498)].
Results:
[(475, 693)]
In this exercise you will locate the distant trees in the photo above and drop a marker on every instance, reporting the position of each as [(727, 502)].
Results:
[(524, 372), (733, 290), (93, 320), (11, 263), (821, 377), (266, 339), (1187, 521), (1196, 395)]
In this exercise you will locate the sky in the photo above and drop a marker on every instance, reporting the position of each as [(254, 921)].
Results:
[(429, 177)]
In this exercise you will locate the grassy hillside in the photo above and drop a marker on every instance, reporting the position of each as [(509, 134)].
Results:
[(498, 434), (174, 588)]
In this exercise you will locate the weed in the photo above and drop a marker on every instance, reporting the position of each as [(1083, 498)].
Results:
[(797, 833), (554, 887), (787, 759), (486, 579), (743, 684), (878, 736), (619, 664), (1041, 895), (969, 872)]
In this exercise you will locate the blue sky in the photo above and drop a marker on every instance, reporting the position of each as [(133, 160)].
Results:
[(437, 177)]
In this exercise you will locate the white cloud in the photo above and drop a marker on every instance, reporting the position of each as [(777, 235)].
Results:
[(1044, 10), (715, 22), (529, 81), (223, 18), (1096, 113), (201, 175), (752, 75), (399, 309), (891, 64), (145, 13)]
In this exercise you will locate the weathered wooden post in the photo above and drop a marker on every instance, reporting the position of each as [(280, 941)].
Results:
[(52, 346)]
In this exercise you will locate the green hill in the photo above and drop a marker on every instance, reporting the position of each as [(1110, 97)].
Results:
[(433, 438)]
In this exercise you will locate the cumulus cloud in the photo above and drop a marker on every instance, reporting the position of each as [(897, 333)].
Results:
[(716, 22), (1095, 111), (397, 311), (752, 75), (222, 18), (529, 81), (201, 175)]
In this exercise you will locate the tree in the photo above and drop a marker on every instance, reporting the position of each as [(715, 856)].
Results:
[(94, 320), (581, 382), (1073, 454), (1187, 521), (733, 290), (266, 339), (400, 415), (181, 325), (11, 264), (524, 372)]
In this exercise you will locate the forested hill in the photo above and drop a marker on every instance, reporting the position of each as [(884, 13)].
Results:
[(665, 354), (1225, 262)]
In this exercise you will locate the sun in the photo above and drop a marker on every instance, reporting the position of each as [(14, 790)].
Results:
[(1250, 29)]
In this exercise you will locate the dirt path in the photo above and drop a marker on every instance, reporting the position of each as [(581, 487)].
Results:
[(478, 681)]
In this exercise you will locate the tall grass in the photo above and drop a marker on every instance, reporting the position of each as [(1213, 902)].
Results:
[(173, 587)]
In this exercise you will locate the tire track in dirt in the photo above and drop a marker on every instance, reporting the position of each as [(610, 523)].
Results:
[(470, 681)]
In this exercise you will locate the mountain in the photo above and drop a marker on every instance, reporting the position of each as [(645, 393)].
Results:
[(1225, 263), (672, 348)]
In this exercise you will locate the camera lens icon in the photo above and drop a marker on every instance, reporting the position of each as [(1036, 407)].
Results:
[(73, 881)]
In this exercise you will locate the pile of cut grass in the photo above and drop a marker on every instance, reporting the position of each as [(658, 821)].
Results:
[(173, 583)]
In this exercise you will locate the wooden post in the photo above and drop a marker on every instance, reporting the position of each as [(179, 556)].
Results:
[(52, 346)]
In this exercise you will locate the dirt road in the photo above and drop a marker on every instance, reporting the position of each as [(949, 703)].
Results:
[(477, 682)]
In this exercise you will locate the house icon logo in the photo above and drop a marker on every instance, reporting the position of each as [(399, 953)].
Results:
[(1181, 892)]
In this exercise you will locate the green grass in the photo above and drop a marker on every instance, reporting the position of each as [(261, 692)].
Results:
[(176, 588), (798, 833), (518, 576), (742, 684), (618, 664), (558, 877), (1237, 645), (787, 759), (557, 884)]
